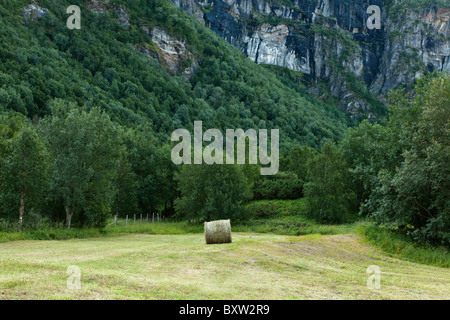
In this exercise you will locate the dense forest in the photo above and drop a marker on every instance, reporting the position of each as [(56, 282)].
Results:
[(86, 119)]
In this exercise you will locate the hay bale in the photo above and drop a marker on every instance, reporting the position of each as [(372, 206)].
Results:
[(218, 231)]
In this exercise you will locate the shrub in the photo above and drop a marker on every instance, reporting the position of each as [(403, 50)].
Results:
[(280, 186)]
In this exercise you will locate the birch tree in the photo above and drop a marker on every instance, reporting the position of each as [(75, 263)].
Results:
[(24, 166), (86, 157)]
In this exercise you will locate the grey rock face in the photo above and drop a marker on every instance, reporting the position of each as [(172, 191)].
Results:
[(173, 52), (104, 7), (191, 7), (269, 45), (418, 43), (33, 12), (123, 17), (98, 6), (328, 41)]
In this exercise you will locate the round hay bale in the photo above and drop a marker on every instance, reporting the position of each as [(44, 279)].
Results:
[(218, 232)]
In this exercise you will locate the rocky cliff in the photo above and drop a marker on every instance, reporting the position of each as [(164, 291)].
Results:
[(329, 42)]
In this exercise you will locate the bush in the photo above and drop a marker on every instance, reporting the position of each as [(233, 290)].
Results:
[(274, 208), (281, 186)]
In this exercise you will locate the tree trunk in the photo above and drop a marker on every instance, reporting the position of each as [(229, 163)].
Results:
[(22, 207), (69, 214)]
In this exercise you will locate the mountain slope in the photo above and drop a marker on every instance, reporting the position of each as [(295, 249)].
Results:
[(147, 62)]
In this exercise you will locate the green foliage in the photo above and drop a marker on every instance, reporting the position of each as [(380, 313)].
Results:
[(274, 208), (298, 159), (280, 186), (24, 167), (126, 198), (365, 151), (86, 159), (287, 217), (150, 161), (326, 191), (211, 192), (58, 233), (401, 171)]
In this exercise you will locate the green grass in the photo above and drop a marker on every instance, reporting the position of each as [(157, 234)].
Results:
[(50, 234), (155, 228), (111, 230), (401, 246), (182, 266)]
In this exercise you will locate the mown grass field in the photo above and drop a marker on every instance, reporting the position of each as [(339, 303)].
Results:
[(181, 266)]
